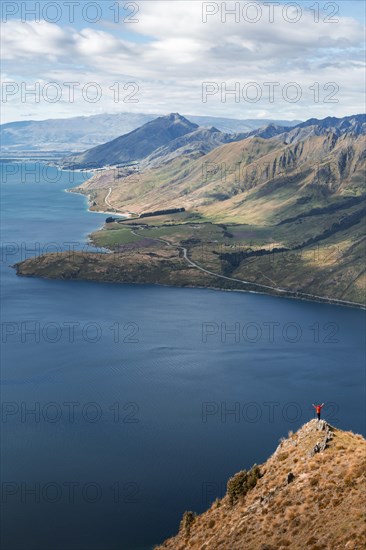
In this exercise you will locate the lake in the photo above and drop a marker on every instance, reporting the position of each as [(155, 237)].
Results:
[(125, 405)]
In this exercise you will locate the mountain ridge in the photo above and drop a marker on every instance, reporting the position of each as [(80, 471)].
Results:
[(83, 132), (308, 494), (323, 163), (127, 148), (135, 145)]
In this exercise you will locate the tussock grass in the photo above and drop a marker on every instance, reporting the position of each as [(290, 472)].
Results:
[(321, 509)]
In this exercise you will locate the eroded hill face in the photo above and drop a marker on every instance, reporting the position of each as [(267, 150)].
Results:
[(254, 180), (310, 494)]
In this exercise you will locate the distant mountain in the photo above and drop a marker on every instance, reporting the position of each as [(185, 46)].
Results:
[(154, 143), (354, 125), (157, 142), (288, 206), (69, 134), (233, 126), (135, 145), (195, 144), (269, 131), (345, 124), (84, 132)]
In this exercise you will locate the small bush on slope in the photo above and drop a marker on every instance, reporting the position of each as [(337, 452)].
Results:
[(241, 483)]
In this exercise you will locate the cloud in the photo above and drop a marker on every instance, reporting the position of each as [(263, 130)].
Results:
[(179, 52)]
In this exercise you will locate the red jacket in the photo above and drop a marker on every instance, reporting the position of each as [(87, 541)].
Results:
[(318, 408)]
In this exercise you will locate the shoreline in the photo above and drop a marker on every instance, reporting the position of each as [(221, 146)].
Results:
[(280, 293), (318, 300), (126, 215)]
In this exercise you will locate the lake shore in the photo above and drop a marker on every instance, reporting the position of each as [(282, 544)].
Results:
[(157, 261), (143, 269)]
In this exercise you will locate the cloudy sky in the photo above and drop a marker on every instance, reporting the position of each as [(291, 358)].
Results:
[(280, 60)]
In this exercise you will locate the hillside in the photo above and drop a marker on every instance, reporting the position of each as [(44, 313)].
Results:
[(135, 145), (193, 145), (309, 494), (251, 180)]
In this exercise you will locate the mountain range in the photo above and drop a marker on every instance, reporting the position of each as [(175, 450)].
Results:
[(168, 137), (83, 132), (230, 176), (156, 142)]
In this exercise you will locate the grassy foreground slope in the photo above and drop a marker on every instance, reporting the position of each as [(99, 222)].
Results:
[(309, 494)]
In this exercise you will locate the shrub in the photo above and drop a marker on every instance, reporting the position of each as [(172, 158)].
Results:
[(241, 483), (217, 503), (186, 522), (211, 523)]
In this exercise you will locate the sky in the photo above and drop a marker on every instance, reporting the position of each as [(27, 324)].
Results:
[(248, 59)]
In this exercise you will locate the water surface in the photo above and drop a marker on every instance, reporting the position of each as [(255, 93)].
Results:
[(123, 406)]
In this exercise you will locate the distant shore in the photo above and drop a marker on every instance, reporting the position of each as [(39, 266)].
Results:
[(125, 215)]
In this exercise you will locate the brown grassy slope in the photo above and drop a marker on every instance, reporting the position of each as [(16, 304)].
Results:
[(251, 181), (333, 267), (321, 508)]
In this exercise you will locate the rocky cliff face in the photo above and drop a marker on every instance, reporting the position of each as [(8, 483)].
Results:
[(309, 494)]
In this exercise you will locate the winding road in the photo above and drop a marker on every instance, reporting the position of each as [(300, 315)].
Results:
[(294, 293), (241, 281), (107, 197)]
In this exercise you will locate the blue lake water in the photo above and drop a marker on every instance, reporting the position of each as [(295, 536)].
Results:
[(123, 406)]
